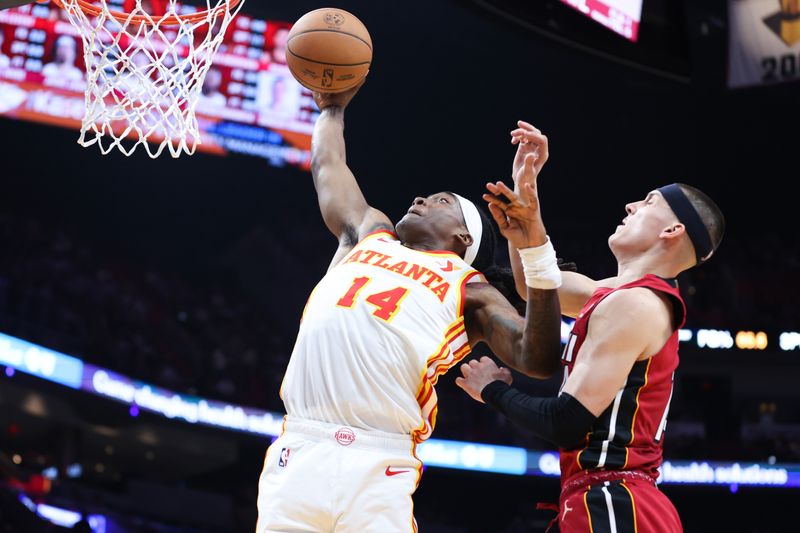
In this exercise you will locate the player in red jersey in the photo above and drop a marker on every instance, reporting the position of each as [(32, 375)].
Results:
[(619, 362)]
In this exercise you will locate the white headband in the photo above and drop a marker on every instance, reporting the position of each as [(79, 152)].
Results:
[(474, 226)]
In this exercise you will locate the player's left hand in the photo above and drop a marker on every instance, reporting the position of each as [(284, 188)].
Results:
[(340, 99), (517, 214), (529, 140), (477, 374)]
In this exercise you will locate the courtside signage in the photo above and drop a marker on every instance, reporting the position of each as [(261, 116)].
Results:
[(74, 373), (473, 456), (173, 405), (41, 362)]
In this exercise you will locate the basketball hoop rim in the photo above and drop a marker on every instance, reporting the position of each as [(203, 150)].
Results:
[(166, 20)]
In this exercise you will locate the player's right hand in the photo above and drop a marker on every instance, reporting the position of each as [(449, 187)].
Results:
[(479, 373), (341, 99)]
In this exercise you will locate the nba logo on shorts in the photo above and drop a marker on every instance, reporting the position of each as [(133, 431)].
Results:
[(283, 460)]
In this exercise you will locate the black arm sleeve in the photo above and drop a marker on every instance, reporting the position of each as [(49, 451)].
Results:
[(564, 421)]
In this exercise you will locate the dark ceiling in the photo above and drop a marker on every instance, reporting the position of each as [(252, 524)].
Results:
[(448, 81)]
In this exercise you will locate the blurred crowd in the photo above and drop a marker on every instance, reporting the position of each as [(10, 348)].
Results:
[(747, 284), (212, 336), (154, 326)]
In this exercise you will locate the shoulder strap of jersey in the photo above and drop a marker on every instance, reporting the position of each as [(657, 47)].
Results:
[(649, 281), (383, 232), (668, 286)]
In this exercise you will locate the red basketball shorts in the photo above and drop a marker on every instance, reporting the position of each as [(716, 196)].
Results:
[(618, 504)]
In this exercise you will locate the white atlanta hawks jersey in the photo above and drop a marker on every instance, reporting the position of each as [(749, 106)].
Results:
[(377, 332)]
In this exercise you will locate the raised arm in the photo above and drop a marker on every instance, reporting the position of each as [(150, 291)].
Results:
[(343, 207), (576, 289), (528, 140), (531, 345)]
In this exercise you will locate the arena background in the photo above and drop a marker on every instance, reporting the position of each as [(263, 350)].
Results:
[(191, 274)]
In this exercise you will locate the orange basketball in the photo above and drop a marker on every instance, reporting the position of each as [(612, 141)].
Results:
[(328, 50)]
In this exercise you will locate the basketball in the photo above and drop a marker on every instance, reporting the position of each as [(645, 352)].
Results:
[(328, 50)]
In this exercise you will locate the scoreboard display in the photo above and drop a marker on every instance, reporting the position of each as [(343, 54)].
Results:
[(620, 16), (250, 103)]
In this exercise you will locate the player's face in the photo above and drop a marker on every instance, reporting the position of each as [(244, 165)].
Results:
[(438, 216), (645, 221)]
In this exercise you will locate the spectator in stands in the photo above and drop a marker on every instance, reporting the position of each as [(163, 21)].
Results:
[(278, 94), (63, 68), (210, 95)]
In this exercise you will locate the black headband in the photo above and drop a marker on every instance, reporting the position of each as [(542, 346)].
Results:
[(688, 216)]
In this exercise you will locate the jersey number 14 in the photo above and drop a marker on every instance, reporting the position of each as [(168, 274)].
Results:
[(386, 303)]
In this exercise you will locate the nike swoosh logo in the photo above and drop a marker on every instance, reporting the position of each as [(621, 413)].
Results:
[(390, 472)]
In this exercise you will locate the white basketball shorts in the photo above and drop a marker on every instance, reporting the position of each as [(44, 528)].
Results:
[(321, 477)]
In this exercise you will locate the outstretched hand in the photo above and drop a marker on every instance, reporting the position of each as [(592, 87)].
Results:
[(478, 374), (340, 99), (517, 214), (529, 140)]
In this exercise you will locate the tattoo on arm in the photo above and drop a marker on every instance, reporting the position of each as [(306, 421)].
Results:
[(531, 346), (491, 319), (503, 333), (541, 338)]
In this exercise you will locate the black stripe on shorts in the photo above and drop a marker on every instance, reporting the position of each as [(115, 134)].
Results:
[(608, 499)]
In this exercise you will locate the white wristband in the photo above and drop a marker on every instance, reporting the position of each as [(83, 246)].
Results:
[(541, 266)]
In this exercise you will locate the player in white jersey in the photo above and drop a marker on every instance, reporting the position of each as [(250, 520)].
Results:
[(396, 309)]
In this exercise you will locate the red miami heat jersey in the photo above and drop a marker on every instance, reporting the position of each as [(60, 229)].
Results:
[(628, 435)]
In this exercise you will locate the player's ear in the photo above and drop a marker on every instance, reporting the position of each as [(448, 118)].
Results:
[(465, 238), (673, 231)]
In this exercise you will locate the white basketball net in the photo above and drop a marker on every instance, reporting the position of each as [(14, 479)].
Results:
[(144, 77)]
